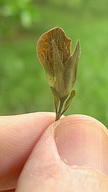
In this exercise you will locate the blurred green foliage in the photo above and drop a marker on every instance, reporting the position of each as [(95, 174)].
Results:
[(23, 85), (17, 13)]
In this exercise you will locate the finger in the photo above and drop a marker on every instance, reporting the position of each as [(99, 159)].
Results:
[(18, 135), (71, 155), (12, 190), (82, 142)]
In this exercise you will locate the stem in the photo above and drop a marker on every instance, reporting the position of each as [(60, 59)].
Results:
[(59, 113)]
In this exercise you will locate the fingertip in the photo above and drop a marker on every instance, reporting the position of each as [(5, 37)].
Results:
[(83, 141), (18, 135)]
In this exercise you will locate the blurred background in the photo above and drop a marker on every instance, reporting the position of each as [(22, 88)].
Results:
[(23, 85)]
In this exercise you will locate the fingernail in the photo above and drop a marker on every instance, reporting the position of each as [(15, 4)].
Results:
[(82, 142)]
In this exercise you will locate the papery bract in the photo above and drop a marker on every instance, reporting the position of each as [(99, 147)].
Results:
[(60, 66)]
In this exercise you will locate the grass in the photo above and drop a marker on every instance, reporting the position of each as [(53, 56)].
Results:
[(23, 85)]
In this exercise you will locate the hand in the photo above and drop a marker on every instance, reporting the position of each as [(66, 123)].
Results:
[(37, 155)]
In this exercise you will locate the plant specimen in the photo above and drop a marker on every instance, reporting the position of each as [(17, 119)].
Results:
[(60, 65)]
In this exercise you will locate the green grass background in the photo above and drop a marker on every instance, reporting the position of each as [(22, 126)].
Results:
[(23, 85)]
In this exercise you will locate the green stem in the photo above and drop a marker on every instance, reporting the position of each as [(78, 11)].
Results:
[(59, 113)]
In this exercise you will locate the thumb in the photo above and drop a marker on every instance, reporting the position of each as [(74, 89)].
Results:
[(71, 155)]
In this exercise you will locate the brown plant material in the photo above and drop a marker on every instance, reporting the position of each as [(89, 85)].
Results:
[(60, 66), (45, 46)]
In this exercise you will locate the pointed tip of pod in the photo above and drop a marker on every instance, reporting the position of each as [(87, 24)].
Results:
[(78, 46)]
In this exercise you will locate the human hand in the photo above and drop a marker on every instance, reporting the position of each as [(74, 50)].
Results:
[(68, 155)]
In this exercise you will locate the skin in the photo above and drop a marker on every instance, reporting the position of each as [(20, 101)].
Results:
[(38, 154)]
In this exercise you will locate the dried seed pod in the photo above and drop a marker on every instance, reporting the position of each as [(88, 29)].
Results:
[(60, 66)]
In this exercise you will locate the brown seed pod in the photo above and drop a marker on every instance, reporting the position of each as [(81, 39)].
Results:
[(53, 49)]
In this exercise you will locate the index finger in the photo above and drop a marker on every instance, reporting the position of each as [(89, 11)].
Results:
[(18, 135)]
